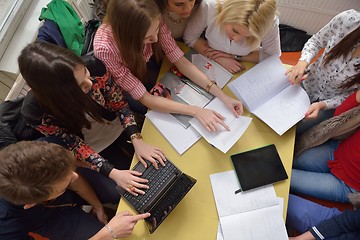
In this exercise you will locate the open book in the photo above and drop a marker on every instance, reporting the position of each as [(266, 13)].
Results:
[(185, 91), (251, 215), (266, 92)]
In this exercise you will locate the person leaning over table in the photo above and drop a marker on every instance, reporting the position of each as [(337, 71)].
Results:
[(177, 13), (40, 192), (322, 80), (67, 104), (235, 31), (132, 32)]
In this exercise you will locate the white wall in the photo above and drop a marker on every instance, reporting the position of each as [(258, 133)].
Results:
[(312, 15)]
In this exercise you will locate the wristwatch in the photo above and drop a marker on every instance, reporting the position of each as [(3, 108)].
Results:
[(237, 57), (136, 136)]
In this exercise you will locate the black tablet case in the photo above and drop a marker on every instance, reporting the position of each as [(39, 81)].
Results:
[(258, 167)]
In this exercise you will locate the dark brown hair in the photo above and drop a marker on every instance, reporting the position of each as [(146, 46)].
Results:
[(130, 20), (162, 4), (353, 80), (49, 71), (29, 170), (344, 47)]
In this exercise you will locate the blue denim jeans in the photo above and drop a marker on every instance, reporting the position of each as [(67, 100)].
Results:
[(303, 214), (311, 175)]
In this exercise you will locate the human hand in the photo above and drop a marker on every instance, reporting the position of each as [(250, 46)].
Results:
[(209, 119), (314, 109), (100, 214), (129, 180), (144, 151), (233, 104), (122, 224), (230, 64), (297, 73)]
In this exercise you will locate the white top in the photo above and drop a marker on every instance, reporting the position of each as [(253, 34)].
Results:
[(324, 83), (205, 18)]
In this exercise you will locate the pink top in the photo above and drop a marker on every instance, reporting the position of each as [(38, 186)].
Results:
[(106, 50)]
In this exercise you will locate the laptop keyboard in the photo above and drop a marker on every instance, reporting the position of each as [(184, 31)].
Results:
[(156, 179), (166, 205)]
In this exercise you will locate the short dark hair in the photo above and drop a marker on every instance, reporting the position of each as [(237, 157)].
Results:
[(30, 169)]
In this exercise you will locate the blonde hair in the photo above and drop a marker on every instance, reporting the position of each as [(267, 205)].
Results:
[(256, 15)]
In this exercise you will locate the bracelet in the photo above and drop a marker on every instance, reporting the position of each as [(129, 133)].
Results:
[(136, 136), (208, 87), (113, 234)]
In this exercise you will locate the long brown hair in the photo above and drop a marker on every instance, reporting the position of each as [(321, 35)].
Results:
[(29, 170), (49, 71), (353, 80), (344, 47), (130, 20)]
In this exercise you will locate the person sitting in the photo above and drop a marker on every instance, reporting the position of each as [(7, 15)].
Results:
[(331, 163), (315, 221), (177, 13), (235, 31), (41, 192), (125, 50), (87, 114), (322, 80)]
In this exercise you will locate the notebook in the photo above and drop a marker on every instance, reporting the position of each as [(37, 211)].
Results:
[(258, 167), (167, 187)]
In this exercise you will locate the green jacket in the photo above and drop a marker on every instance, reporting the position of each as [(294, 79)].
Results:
[(71, 28)]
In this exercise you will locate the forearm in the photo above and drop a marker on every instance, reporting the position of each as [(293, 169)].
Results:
[(305, 236), (103, 234), (84, 190), (166, 105), (201, 46), (198, 77), (251, 57)]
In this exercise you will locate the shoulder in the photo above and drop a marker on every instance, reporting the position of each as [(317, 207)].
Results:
[(31, 109), (103, 36), (347, 18), (208, 5)]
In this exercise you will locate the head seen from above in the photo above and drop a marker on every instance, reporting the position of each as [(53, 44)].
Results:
[(183, 8), (247, 20), (59, 80), (134, 23), (35, 172)]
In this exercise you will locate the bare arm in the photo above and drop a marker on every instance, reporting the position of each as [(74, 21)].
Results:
[(208, 118), (305, 236), (198, 77), (83, 188)]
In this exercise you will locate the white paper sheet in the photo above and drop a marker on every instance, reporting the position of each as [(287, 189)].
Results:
[(212, 69), (179, 137), (249, 215), (261, 90), (223, 139)]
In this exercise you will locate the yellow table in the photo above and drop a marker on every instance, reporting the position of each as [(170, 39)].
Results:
[(195, 218)]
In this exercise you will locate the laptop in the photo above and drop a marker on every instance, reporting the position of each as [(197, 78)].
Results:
[(167, 187)]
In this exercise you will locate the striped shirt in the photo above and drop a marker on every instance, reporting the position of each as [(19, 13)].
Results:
[(106, 50)]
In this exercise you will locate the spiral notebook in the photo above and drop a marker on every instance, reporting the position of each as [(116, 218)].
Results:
[(258, 167)]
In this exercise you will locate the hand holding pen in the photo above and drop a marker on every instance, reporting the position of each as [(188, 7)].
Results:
[(297, 73)]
